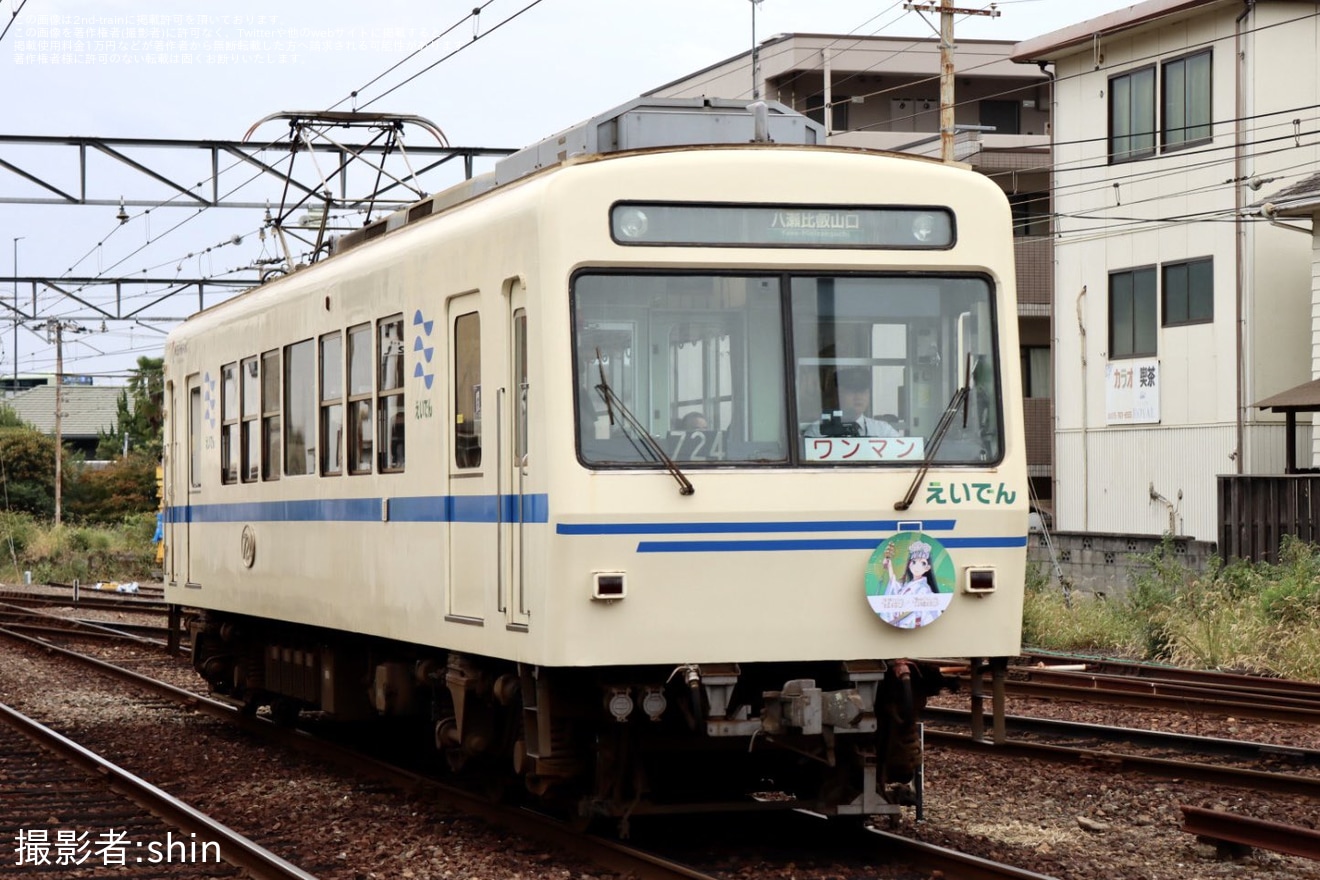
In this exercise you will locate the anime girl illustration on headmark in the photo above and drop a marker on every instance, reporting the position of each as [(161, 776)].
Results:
[(913, 598)]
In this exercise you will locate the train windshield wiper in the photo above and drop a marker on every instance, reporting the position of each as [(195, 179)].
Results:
[(632, 427), (959, 399)]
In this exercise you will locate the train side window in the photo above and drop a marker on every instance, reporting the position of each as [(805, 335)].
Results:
[(390, 400), (299, 408), (332, 404), (195, 438), (467, 390), (250, 456), (270, 415), (360, 435), (520, 375), (229, 421)]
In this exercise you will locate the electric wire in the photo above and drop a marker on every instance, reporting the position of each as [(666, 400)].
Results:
[(13, 16)]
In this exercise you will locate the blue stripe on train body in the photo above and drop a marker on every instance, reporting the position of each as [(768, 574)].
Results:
[(536, 509)]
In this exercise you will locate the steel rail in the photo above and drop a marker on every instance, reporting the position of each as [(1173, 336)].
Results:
[(1187, 688), (235, 849), (953, 863), (95, 600), (1162, 672), (1224, 827), (1236, 777), (1205, 745), (1187, 703), (20, 618), (607, 854)]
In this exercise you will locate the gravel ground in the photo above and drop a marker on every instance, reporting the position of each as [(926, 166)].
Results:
[(1073, 823)]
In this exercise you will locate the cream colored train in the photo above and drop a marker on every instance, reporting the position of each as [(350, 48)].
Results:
[(642, 470)]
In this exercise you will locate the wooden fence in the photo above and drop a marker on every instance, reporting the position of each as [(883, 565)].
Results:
[(1255, 512)]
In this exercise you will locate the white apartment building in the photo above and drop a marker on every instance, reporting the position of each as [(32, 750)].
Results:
[(1177, 306)]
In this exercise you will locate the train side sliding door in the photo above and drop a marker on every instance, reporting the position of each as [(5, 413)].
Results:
[(186, 440), (516, 463), (472, 467)]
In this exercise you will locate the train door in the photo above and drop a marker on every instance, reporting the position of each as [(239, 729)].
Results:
[(515, 463), (174, 411), (187, 478), (473, 552)]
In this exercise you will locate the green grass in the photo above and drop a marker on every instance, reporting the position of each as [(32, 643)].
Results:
[(118, 552), (1257, 618)]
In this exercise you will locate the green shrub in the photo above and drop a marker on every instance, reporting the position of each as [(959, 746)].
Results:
[(1291, 594)]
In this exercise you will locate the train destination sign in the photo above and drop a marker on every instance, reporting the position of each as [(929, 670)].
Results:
[(653, 223)]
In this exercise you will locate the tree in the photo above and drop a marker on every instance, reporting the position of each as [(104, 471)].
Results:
[(27, 476), (124, 487), (141, 415), (9, 418)]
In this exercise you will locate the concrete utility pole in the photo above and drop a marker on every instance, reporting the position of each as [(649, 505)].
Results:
[(55, 332), (756, 61), (947, 13), (17, 239), (59, 413)]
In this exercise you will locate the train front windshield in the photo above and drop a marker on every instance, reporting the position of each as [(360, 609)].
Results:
[(876, 370)]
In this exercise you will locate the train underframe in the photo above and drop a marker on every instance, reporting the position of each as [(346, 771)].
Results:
[(833, 737)]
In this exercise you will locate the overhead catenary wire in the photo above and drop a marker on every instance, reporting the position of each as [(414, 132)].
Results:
[(13, 16), (1060, 167), (275, 144)]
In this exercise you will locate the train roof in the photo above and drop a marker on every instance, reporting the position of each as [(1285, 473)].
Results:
[(640, 124)]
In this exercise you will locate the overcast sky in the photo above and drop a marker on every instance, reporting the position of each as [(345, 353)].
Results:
[(209, 70)]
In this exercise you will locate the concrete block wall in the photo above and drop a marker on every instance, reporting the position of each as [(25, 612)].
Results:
[(1102, 562)]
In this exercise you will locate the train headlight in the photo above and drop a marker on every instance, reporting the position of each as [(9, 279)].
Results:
[(923, 227), (631, 222), (608, 586), (980, 580)]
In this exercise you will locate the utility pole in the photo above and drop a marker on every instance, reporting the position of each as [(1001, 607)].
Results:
[(59, 414), (55, 332), (14, 389), (947, 12), (755, 57)]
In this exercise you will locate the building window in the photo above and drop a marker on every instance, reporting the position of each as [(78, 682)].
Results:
[(1132, 313), (1037, 374), (1186, 100), (270, 415), (251, 439), (389, 407), (229, 418), (1003, 116), (1189, 292), (1031, 214), (1132, 115), (332, 404), (838, 115)]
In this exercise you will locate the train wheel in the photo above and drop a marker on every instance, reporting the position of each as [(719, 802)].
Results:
[(284, 713)]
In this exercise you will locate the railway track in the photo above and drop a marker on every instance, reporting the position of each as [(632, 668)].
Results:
[(106, 817), (1020, 729), (611, 854)]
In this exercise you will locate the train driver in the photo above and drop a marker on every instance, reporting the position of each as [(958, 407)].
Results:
[(854, 395)]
